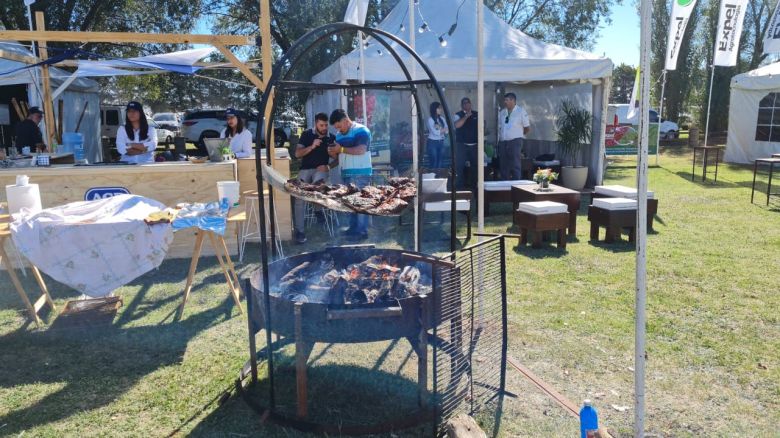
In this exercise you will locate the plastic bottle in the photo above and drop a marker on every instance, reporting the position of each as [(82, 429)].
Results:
[(589, 421)]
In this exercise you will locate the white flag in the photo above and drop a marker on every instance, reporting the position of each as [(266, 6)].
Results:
[(732, 14), (633, 110), (772, 37), (681, 11), (356, 12)]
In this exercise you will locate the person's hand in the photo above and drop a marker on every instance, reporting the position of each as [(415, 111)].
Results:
[(334, 150), (316, 143)]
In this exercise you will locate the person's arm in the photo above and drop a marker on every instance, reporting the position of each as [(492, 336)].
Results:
[(223, 134), (526, 123), (121, 141), (361, 144), (150, 144), (245, 139), (460, 121), (301, 150), (430, 124)]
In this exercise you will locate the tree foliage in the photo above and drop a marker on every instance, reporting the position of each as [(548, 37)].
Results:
[(623, 77)]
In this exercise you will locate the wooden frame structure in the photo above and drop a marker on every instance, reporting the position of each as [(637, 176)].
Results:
[(43, 36)]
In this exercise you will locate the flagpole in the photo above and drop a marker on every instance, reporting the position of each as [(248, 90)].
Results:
[(415, 141), (709, 104), (641, 222), (363, 77), (480, 121), (660, 114)]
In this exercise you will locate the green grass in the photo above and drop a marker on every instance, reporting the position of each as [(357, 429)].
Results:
[(713, 333)]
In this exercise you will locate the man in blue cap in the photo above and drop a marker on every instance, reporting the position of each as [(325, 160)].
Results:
[(28, 133)]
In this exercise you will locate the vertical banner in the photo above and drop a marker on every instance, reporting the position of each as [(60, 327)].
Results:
[(356, 12), (732, 14), (772, 37), (681, 12)]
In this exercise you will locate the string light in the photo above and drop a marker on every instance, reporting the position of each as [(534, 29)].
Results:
[(442, 41), (423, 27), (402, 28), (379, 52)]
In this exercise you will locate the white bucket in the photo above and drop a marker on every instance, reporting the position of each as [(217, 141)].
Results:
[(230, 190)]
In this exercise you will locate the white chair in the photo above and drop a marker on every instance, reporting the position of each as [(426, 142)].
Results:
[(436, 198), (251, 228)]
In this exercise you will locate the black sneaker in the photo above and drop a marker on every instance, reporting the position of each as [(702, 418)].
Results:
[(300, 238)]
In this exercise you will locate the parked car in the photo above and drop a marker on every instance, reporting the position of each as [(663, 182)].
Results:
[(169, 121), (111, 118), (201, 124), (164, 134), (669, 130)]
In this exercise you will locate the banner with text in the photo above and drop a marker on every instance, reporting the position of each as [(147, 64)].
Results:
[(772, 37), (681, 12), (732, 14)]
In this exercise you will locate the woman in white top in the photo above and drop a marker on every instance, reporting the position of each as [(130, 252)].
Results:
[(136, 140), (437, 132), (240, 137)]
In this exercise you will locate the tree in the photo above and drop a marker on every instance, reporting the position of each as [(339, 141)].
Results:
[(623, 77)]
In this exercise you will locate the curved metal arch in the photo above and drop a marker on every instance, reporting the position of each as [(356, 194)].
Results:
[(290, 61)]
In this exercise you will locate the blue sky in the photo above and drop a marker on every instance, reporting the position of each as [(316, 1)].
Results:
[(620, 40)]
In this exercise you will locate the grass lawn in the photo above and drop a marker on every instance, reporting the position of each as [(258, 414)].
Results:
[(713, 333)]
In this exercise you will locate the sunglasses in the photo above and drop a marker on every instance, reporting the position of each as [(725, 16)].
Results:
[(506, 120)]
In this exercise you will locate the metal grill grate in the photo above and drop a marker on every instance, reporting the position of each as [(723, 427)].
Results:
[(470, 335)]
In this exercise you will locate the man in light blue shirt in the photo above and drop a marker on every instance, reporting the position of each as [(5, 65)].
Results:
[(352, 147)]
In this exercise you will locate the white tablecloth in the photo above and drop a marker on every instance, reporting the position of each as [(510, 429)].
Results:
[(94, 247)]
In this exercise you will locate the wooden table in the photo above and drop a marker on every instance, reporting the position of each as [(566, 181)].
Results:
[(529, 193), (705, 153), (771, 163), (45, 298), (236, 215)]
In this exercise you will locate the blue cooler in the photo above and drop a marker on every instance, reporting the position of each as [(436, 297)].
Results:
[(74, 141)]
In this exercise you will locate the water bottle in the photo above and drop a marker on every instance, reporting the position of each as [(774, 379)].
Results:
[(589, 421)]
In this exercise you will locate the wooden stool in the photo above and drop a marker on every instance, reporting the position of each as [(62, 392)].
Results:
[(614, 221), (534, 216), (617, 191)]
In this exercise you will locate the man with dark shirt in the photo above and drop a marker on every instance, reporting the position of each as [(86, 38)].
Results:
[(312, 149), (27, 131), (466, 143)]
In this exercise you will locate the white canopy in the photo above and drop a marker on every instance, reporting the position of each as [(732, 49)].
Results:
[(753, 109), (510, 55)]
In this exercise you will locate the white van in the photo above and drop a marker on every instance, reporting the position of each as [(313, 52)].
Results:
[(111, 118)]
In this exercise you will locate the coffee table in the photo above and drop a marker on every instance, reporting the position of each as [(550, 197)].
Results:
[(705, 154), (529, 193), (771, 163)]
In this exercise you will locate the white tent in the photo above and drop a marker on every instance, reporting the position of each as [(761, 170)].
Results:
[(79, 92), (754, 115), (540, 74)]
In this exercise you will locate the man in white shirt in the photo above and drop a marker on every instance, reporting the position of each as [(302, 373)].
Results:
[(513, 126)]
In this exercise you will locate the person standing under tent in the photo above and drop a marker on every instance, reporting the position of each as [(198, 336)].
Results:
[(466, 140), (513, 127), (136, 140), (437, 132), (312, 150), (352, 147), (239, 136), (28, 132)]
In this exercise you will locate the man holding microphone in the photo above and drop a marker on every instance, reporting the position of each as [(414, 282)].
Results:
[(513, 126)]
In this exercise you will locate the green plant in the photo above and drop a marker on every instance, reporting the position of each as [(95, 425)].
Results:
[(545, 175), (574, 129)]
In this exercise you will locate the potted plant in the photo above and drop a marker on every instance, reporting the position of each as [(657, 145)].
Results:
[(574, 131), (225, 150)]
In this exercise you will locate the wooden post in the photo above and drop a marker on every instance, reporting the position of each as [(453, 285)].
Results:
[(48, 107), (243, 68), (266, 59)]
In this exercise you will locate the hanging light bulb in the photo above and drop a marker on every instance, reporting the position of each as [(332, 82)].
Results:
[(402, 28), (379, 52), (365, 44), (442, 41), (335, 37), (417, 2), (423, 27)]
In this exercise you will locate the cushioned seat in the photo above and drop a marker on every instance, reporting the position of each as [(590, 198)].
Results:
[(497, 186), (618, 191), (615, 203), (549, 163), (460, 205), (542, 207)]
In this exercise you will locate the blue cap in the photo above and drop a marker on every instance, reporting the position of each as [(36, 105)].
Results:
[(231, 112), (133, 105), (34, 110)]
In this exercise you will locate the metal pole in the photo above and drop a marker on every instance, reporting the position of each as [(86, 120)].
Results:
[(415, 141), (37, 80), (660, 114), (363, 77), (641, 221), (480, 122), (709, 104)]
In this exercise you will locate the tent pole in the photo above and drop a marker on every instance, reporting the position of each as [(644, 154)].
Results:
[(36, 79), (361, 37), (709, 104), (641, 221), (480, 164), (48, 107), (660, 114), (415, 141)]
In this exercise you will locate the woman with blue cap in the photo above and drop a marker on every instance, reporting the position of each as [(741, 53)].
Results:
[(240, 137), (136, 140)]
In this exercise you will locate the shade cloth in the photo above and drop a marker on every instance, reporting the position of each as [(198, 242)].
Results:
[(94, 247)]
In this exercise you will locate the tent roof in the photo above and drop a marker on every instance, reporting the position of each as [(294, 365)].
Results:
[(510, 55), (24, 77), (762, 78)]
